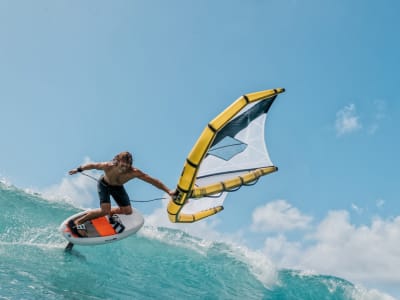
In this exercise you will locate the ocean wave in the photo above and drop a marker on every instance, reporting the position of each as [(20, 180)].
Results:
[(157, 262)]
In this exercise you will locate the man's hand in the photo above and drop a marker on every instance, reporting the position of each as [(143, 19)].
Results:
[(72, 172), (173, 193)]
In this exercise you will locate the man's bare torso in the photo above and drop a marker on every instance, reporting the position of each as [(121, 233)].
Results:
[(113, 175)]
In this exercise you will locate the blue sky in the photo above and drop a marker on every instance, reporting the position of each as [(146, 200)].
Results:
[(85, 80)]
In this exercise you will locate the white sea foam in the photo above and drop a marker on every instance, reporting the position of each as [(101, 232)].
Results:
[(258, 264), (361, 293)]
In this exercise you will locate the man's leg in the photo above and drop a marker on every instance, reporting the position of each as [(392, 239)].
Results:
[(105, 209), (124, 210), (121, 197)]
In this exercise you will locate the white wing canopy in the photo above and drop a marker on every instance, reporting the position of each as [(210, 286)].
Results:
[(237, 149)]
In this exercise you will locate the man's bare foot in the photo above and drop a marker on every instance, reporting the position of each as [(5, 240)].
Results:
[(79, 230)]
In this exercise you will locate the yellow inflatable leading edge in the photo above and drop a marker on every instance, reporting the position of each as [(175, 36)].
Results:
[(185, 187)]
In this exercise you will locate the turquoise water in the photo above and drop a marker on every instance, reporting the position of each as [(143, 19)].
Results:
[(157, 263)]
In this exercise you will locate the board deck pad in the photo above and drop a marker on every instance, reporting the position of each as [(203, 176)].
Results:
[(102, 227), (99, 227)]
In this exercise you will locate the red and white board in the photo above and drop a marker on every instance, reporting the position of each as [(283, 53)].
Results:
[(101, 231)]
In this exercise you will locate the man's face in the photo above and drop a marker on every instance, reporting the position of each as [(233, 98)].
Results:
[(123, 166)]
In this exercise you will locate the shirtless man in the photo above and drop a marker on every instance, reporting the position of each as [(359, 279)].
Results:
[(116, 173)]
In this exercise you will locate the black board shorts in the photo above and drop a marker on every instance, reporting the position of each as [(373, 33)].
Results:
[(118, 192)]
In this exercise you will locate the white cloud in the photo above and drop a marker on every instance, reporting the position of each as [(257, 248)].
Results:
[(278, 216), (380, 114), (347, 120), (362, 254), (380, 203), (356, 208)]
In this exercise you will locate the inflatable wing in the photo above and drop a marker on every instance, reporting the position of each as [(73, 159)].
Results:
[(230, 153)]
